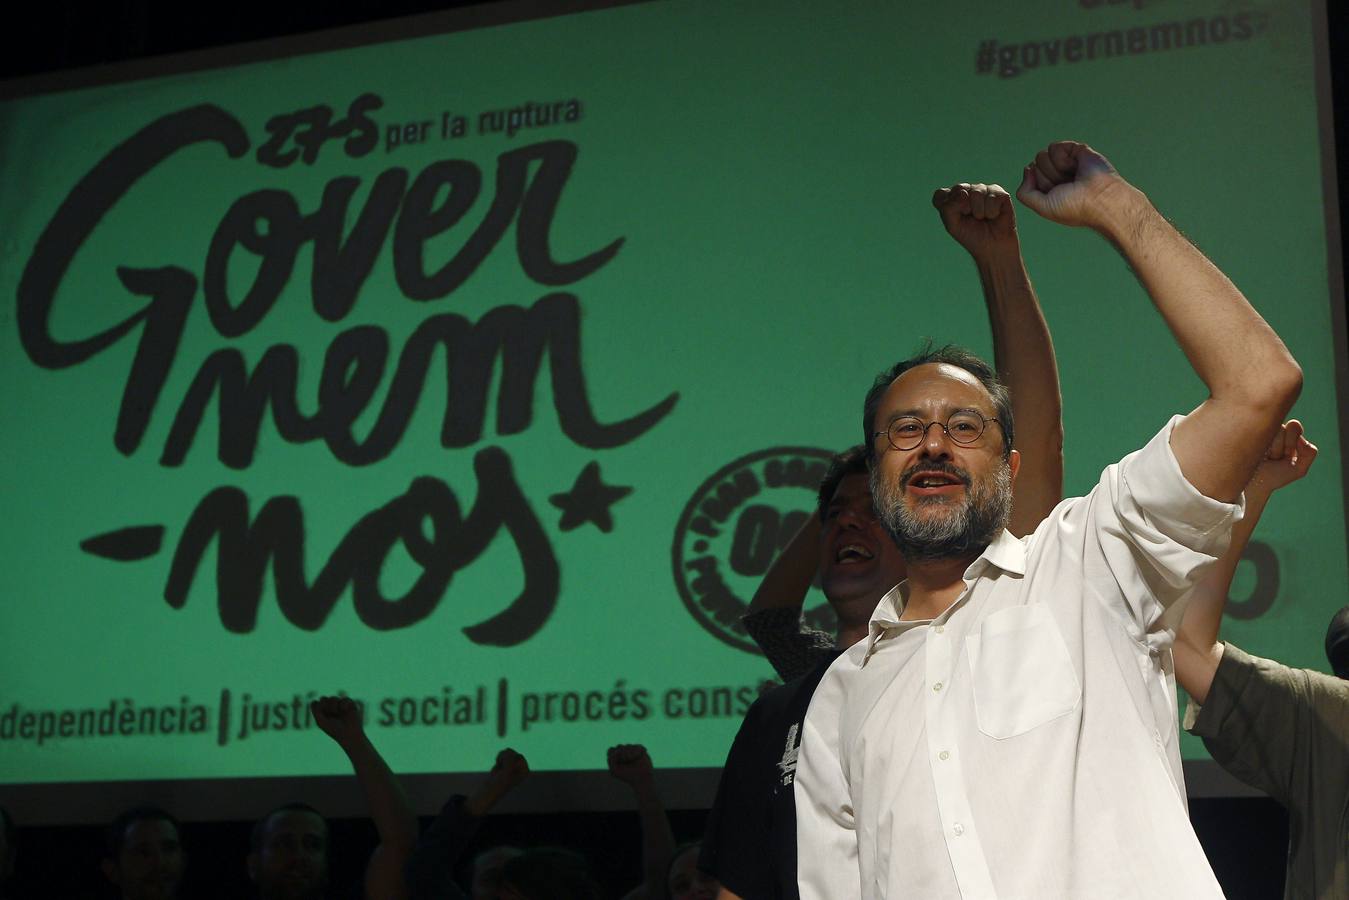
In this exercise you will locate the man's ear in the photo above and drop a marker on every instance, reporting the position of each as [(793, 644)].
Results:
[(111, 871), (1014, 463)]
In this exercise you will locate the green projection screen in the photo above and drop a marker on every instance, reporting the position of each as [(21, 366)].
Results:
[(480, 374)]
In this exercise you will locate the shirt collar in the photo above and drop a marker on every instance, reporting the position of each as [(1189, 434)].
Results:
[(1008, 553)]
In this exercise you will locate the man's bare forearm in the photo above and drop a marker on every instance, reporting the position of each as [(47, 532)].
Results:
[(394, 820), (1197, 651), (1232, 349), (789, 578), (981, 218), (342, 719), (1251, 377), (1023, 353), (389, 807), (658, 843)]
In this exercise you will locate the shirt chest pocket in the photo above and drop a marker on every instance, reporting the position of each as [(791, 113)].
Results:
[(1022, 674)]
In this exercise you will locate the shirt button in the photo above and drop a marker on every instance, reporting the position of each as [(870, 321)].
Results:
[(939, 629), (944, 755), (937, 686), (958, 829)]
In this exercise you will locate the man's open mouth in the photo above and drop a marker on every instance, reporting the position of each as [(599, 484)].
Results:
[(934, 480), (853, 553)]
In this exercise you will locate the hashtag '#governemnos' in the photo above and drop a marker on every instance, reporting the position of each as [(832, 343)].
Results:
[(983, 60)]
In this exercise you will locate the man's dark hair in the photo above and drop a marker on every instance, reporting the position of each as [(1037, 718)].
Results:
[(259, 832), (115, 836), (550, 873), (7, 824), (1337, 643), (952, 356), (852, 461)]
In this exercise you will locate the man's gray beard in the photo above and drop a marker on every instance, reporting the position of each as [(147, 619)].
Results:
[(971, 526)]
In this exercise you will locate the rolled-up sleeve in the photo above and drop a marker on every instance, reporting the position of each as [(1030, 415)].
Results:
[(1158, 533), (1255, 721)]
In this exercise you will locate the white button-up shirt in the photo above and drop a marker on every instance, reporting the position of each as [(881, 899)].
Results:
[(1022, 744)]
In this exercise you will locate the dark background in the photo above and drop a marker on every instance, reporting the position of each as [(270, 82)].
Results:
[(1245, 838)]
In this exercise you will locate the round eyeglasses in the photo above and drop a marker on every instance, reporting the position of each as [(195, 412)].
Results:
[(964, 427)]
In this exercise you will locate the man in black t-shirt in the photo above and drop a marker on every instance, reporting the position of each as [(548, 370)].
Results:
[(750, 845)]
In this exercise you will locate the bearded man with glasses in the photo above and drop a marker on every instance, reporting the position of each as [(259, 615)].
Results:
[(945, 521), (1008, 726)]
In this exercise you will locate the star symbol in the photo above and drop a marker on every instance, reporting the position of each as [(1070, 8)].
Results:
[(588, 501)]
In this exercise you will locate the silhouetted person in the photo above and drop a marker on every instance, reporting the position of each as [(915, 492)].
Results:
[(548, 873), (631, 764), (288, 858), (686, 879), (430, 869), (144, 854)]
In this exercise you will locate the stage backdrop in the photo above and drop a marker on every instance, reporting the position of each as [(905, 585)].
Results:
[(480, 375)]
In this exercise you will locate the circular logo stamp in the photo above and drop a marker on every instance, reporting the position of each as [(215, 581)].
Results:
[(735, 525)]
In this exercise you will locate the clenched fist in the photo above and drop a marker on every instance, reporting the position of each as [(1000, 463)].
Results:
[(339, 717), (1288, 458), (509, 769), (978, 216), (1070, 183), (630, 764)]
